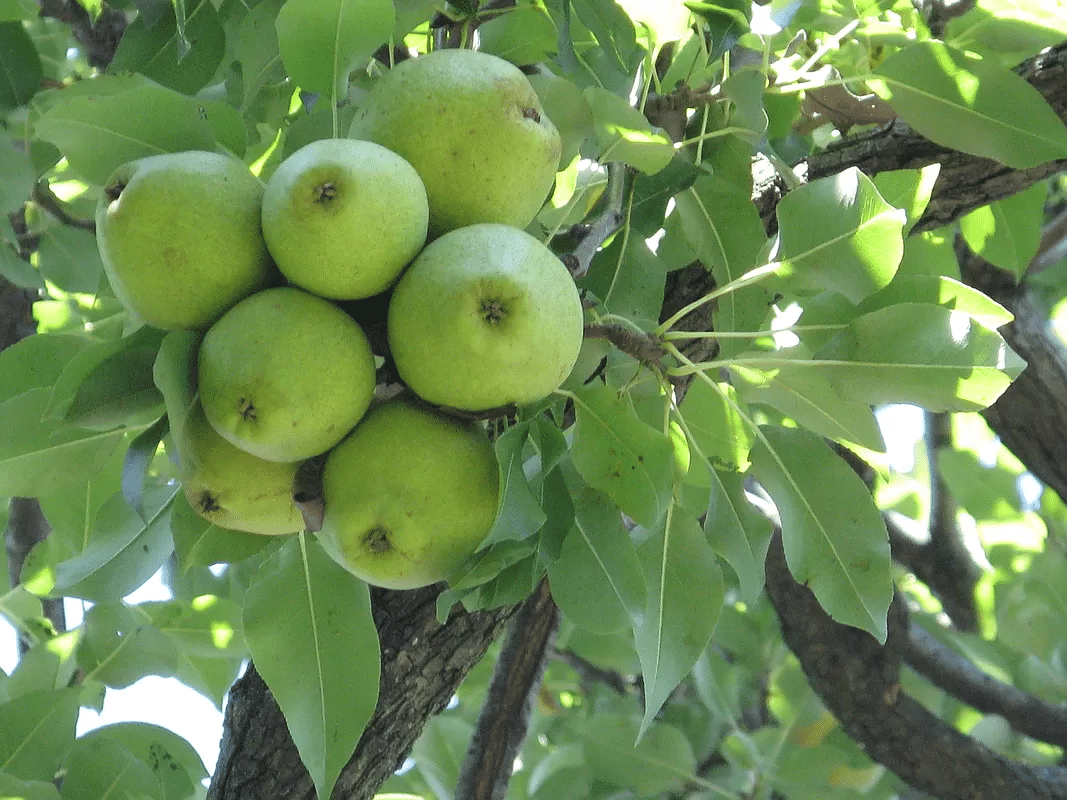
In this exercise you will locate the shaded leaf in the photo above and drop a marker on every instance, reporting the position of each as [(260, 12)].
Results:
[(685, 595), (309, 628), (737, 532), (21, 71), (100, 768), (834, 536), (519, 514), (120, 645), (657, 764), (37, 733), (624, 135), (723, 436)]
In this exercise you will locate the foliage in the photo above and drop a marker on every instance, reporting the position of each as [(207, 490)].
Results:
[(644, 487)]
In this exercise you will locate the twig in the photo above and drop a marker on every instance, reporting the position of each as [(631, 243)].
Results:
[(644, 348), (47, 199), (591, 673), (953, 673), (100, 39), (579, 259), (505, 714)]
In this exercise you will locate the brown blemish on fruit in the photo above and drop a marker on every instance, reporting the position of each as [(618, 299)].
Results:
[(246, 408), (325, 192), (531, 113), (492, 311), (377, 540), (207, 503)]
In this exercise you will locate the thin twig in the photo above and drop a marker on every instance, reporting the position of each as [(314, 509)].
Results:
[(579, 259), (50, 202)]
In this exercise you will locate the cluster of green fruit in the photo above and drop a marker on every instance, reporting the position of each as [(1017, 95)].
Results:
[(451, 148)]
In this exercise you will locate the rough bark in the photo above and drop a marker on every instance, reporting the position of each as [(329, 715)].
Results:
[(423, 662), (858, 680)]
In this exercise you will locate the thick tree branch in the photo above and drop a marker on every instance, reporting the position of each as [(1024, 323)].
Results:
[(858, 680), (423, 662), (505, 715)]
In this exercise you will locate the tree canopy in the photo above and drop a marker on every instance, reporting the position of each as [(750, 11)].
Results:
[(706, 576)]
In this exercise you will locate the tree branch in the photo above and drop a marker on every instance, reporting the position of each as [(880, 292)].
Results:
[(100, 39), (505, 714), (593, 236), (858, 680), (953, 673)]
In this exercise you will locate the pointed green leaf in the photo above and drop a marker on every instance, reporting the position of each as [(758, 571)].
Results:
[(37, 362), (838, 233), (11, 786), (20, 66), (620, 455), (656, 765), (1007, 233), (174, 373), (17, 175), (174, 761), (928, 355), (69, 258), (685, 595), (834, 536), (908, 189), (139, 457), (737, 532), (208, 626), (597, 580), (808, 398), (120, 645), (628, 278), (962, 101), (308, 625), (100, 768), (322, 41), (37, 733), (519, 514)]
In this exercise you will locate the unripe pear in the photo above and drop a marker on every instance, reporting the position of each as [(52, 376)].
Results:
[(410, 494), (179, 235), (342, 218), (473, 127)]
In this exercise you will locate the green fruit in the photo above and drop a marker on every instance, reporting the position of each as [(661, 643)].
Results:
[(409, 495), (342, 218), (284, 375), (234, 489), (179, 235), (484, 317), (474, 129)]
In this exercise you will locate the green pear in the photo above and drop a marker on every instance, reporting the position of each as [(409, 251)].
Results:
[(342, 218), (179, 235), (409, 495), (485, 316), (285, 375), (474, 129), (234, 489)]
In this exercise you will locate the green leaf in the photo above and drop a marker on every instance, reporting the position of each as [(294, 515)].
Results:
[(624, 135), (37, 733), (17, 176), (69, 258), (17, 270), (308, 625), (723, 436), (908, 189), (174, 374), (519, 514), (523, 35), (566, 106), (612, 27), (119, 646), (124, 549), (597, 580), (942, 291), (808, 398), (685, 596), (657, 765), (175, 762), (322, 41), (138, 460), (1007, 232), (737, 532), (21, 72), (834, 536), (26, 790), (1019, 29), (928, 355), (40, 456), (619, 454), (179, 51), (37, 362), (208, 626), (838, 233), (99, 133), (199, 543), (964, 102), (628, 278), (100, 768)]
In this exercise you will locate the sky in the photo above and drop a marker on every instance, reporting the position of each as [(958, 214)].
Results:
[(170, 704)]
